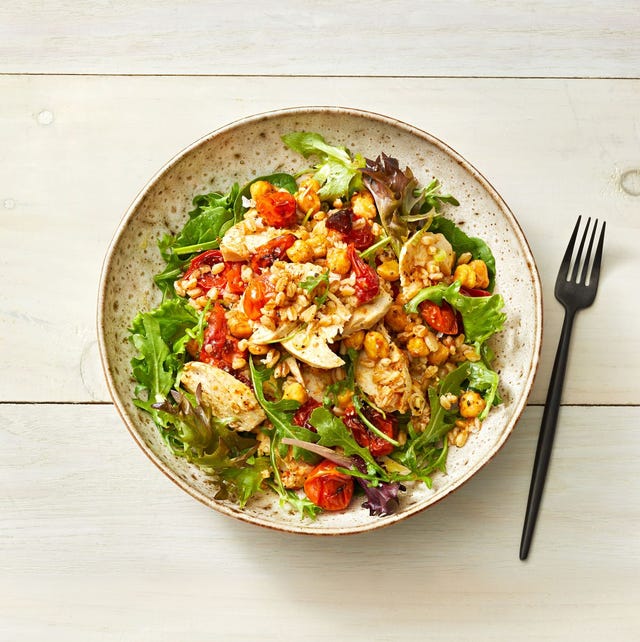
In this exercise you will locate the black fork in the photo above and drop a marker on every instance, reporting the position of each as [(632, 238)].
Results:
[(576, 291)]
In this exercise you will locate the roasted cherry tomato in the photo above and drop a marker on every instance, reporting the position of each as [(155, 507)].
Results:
[(367, 282), (302, 415), (277, 209), (442, 318), (230, 278), (474, 292), (274, 250), (256, 295), (364, 437), (218, 347), (328, 488), (342, 221)]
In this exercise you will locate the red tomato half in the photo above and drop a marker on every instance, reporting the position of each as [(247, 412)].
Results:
[(274, 250), (441, 318), (328, 488), (256, 295), (367, 282), (474, 292), (364, 437), (229, 279), (277, 209), (302, 415), (218, 347)]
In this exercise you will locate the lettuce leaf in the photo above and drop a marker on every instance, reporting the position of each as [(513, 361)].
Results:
[(484, 381), (462, 243), (337, 172), (160, 337), (481, 316), (229, 457)]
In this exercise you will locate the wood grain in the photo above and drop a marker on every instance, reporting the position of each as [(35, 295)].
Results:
[(96, 544), (82, 147), (327, 37)]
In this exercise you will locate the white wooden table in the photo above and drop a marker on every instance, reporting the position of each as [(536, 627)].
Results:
[(95, 543)]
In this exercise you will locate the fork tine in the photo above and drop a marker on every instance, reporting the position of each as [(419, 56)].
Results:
[(576, 262), (566, 259), (587, 258), (595, 271)]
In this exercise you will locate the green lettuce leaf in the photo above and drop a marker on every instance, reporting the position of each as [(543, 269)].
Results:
[(160, 337), (481, 315), (337, 172), (484, 381), (462, 243)]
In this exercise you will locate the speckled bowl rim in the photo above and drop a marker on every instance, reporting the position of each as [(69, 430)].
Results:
[(375, 524)]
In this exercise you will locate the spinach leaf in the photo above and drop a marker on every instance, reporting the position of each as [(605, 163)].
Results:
[(462, 243), (208, 221)]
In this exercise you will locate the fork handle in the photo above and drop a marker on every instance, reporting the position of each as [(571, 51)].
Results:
[(547, 433)]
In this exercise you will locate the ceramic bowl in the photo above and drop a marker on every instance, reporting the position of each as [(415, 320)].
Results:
[(252, 147)]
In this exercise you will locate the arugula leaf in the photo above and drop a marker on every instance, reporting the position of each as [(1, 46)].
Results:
[(334, 390), (333, 433), (312, 282), (280, 180), (422, 455), (211, 218), (160, 337), (481, 316), (337, 172), (432, 197), (462, 243), (280, 413)]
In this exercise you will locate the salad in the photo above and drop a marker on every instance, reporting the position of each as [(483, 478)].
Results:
[(321, 335)]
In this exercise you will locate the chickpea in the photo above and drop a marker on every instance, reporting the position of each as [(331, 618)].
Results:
[(375, 345), (482, 273), (338, 260), (260, 188), (294, 390), (354, 341), (318, 244), (363, 205), (438, 356), (389, 271), (257, 349), (416, 347), (239, 325), (307, 196), (300, 252), (396, 318), (466, 275), (471, 404), (344, 399)]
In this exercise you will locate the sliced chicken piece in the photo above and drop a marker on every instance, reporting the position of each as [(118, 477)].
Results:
[(238, 244), (317, 381), (389, 386), (311, 344), (311, 347), (227, 397), (415, 257), (366, 316), (263, 336)]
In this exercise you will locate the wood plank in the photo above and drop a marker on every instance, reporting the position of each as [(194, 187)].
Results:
[(82, 147), (465, 38), (97, 544)]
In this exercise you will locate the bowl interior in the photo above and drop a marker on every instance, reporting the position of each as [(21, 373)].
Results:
[(250, 148)]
